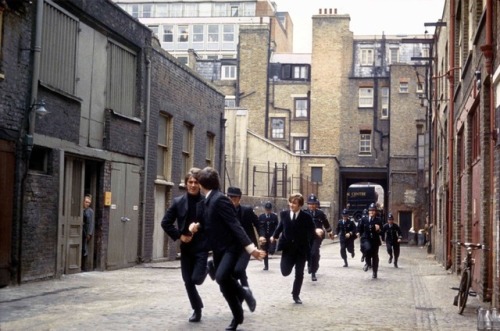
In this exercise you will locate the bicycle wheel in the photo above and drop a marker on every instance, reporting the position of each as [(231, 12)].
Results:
[(463, 291)]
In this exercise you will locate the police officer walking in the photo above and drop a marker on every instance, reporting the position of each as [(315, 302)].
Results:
[(321, 224), (370, 230), (346, 230), (391, 234)]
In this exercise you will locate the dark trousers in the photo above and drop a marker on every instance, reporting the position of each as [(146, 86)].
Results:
[(393, 248), (240, 270), (313, 262), (371, 254), (269, 249), (194, 272), (290, 258), (346, 245), (233, 292)]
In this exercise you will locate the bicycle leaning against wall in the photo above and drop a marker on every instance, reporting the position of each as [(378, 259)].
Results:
[(464, 290)]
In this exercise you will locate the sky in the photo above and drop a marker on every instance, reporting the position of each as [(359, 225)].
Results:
[(368, 17)]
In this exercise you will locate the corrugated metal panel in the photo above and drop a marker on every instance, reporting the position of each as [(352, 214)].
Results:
[(59, 48), (121, 80)]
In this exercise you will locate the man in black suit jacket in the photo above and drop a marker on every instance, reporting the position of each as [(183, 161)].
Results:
[(250, 222), (226, 237), (392, 235), (194, 252), (268, 222), (295, 232), (346, 229), (369, 229)]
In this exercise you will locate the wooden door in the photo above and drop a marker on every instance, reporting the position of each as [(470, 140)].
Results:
[(124, 216), (72, 224), (7, 175)]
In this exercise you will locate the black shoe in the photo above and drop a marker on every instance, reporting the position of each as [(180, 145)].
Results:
[(345, 265), (395, 264), (352, 255), (313, 277), (374, 275), (196, 317), (365, 268), (233, 326), (297, 300), (265, 268), (249, 299), (390, 260), (362, 259), (211, 269)]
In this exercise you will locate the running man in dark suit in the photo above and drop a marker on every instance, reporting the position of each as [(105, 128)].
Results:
[(295, 232), (226, 237), (369, 229), (194, 252), (250, 222), (392, 235)]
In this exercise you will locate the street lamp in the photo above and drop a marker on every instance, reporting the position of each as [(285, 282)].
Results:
[(40, 109)]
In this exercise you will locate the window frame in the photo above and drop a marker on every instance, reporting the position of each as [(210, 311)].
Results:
[(228, 72), (404, 87), (302, 113), (165, 147), (300, 145), (187, 148), (317, 175), (210, 149), (366, 56), (278, 133), (368, 98), (365, 142), (384, 102)]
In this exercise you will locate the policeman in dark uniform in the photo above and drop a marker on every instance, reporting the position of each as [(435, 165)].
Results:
[(346, 229), (365, 214), (370, 229), (391, 234), (321, 224), (268, 221)]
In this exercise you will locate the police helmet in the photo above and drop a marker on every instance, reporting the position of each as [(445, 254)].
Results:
[(312, 199), (365, 211), (345, 212), (268, 205), (390, 217), (372, 207)]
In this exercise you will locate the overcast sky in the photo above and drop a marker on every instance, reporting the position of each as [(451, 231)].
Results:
[(368, 17)]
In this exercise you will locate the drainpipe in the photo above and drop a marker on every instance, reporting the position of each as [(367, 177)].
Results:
[(268, 65), (146, 155), (487, 50), (28, 138), (451, 116)]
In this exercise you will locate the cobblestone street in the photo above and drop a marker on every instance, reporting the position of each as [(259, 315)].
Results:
[(416, 296)]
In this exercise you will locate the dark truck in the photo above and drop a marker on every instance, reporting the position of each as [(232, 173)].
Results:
[(358, 199)]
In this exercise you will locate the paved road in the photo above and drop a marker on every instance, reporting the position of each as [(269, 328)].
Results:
[(415, 296)]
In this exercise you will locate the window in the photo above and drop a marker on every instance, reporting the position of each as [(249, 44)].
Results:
[(230, 101), (154, 28), (385, 102), (187, 148), (161, 10), (135, 11), (121, 75), (290, 71), (198, 33), (190, 10), (367, 57), (164, 157), (228, 33), (219, 9), (176, 10), (234, 11), (394, 53), (39, 160), (58, 61), (301, 108), (476, 138), (278, 128), (300, 145), (365, 97), (183, 34), (210, 152), (183, 60), (421, 151), (168, 33), (403, 87), (213, 33), (317, 174), (147, 10), (365, 143), (228, 72)]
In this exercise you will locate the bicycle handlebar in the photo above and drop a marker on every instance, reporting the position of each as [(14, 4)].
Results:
[(469, 245)]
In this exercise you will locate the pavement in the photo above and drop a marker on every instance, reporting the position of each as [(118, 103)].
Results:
[(415, 296)]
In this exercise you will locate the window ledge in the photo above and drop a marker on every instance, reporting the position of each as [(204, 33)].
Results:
[(163, 182)]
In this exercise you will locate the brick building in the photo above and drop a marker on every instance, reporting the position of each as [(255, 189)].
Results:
[(465, 171), (114, 99)]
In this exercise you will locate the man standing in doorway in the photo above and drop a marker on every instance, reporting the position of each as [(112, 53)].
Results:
[(88, 229)]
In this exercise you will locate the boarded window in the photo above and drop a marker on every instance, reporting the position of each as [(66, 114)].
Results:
[(120, 94), (59, 48)]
